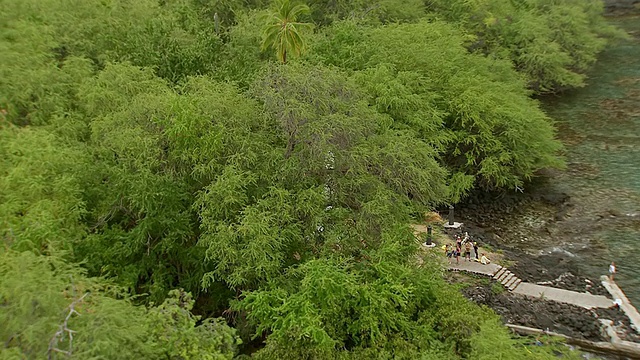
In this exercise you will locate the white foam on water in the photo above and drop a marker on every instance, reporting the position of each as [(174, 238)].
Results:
[(557, 250)]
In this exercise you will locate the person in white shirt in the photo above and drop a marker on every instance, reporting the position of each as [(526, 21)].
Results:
[(612, 270), (484, 260)]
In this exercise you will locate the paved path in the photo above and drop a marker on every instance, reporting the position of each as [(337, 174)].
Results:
[(516, 285), (475, 267), (626, 305), (499, 273), (585, 300)]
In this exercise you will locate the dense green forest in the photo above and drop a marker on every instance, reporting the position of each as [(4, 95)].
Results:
[(207, 179)]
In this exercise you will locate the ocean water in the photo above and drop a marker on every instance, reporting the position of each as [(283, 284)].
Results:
[(600, 127)]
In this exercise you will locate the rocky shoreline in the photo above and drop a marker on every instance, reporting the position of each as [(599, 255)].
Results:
[(496, 220), (618, 7), (484, 217), (565, 319)]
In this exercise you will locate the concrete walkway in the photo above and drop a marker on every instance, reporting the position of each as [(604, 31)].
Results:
[(499, 273), (475, 267), (585, 300), (626, 305), (516, 285)]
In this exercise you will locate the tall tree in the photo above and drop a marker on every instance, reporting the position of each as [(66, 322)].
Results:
[(282, 31)]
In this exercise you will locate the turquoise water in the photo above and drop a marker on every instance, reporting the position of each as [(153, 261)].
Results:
[(600, 126)]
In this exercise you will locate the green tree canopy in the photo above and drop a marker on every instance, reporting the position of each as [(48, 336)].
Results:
[(68, 315), (473, 109), (552, 43), (159, 172)]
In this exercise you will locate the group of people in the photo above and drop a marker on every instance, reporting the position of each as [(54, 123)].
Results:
[(465, 240)]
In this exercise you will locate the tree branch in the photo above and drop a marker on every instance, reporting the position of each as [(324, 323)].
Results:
[(62, 329)]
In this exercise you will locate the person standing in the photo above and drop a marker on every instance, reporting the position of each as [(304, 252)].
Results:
[(467, 251), (612, 270), (475, 249)]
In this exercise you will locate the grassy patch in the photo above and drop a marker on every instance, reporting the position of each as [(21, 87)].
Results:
[(497, 289)]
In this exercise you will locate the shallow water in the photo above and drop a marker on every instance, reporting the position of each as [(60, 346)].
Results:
[(600, 126)]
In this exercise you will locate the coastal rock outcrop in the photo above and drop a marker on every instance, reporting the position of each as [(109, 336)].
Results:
[(622, 6)]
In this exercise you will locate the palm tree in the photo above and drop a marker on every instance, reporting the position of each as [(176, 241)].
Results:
[(282, 31)]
